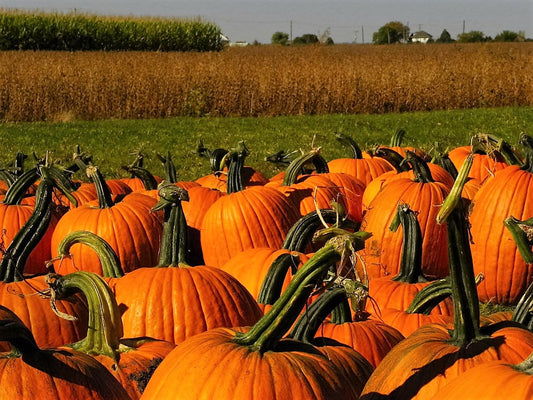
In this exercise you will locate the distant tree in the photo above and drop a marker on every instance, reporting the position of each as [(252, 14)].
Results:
[(329, 41), (280, 38), (391, 32), (308, 38), (445, 37), (507, 36), (472, 37)]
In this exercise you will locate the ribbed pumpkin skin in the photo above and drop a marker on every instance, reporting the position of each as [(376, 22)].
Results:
[(494, 380), (12, 219), (59, 374), (382, 252), (408, 323), (251, 266), (251, 177), (364, 169), (174, 303), (494, 252), (372, 339), (130, 228), (210, 366), (387, 293), (425, 361), (35, 312), (254, 217), (483, 166)]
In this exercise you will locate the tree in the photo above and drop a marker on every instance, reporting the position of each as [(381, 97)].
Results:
[(506, 36), (280, 38), (308, 38), (472, 37), (445, 37), (391, 32)]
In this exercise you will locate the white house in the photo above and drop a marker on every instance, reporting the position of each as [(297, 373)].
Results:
[(420, 37)]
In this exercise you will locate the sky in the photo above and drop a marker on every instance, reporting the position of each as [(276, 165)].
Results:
[(347, 21)]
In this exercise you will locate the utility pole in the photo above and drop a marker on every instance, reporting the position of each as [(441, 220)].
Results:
[(463, 26), (355, 36), (291, 30), (362, 34)]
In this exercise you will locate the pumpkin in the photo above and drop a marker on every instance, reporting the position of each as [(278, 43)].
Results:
[(173, 301), (131, 361), (494, 252), (259, 364), (126, 223), (424, 196), (430, 357), (27, 372)]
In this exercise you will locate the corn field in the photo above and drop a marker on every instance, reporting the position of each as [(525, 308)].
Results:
[(264, 81), (45, 31)]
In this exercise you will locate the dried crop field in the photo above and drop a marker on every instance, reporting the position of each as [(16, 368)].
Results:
[(264, 81)]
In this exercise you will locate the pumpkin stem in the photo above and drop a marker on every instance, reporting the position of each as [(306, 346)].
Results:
[(527, 142), (348, 141), (411, 260), (420, 167), (522, 313), (301, 233), (266, 333), (397, 138), (13, 331), (463, 282), (526, 366), (171, 175), (298, 165), (108, 258), (146, 177), (273, 282), (105, 199), (18, 251), (521, 232), (498, 149), (20, 186), (333, 300), (394, 158), (455, 195), (444, 161), (236, 159), (174, 241), (105, 325)]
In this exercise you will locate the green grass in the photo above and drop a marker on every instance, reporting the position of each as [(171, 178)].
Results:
[(112, 142)]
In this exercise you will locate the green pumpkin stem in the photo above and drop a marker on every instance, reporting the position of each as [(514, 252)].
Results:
[(20, 186), (454, 197), (521, 232), (394, 158), (333, 301), (109, 260), (273, 282), (522, 312), (105, 324), (146, 177), (420, 167), (445, 162), (301, 233), (397, 138), (18, 251), (463, 282), (267, 332), (295, 168), (174, 240), (526, 366), (349, 142), (105, 199), (171, 175), (236, 158), (411, 260)]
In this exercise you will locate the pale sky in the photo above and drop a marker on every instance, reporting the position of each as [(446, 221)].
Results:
[(348, 21)]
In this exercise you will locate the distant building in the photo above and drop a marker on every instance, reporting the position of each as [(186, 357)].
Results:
[(224, 40), (239, 44), (420, 37)]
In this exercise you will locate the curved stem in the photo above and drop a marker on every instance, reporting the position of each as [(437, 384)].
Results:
[(297, 165), (13, 331), (170, 168), (109, 260), (236, 159), (273, 282), (420, 168), (394, 158), (522, 233), (411, 260), (18, 189), (144, 175), (18, 251), (105, 325), (174, 240), (102, 190), (397, 138), (348, 141)]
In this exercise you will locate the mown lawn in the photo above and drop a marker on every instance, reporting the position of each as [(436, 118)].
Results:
[(113, 142)]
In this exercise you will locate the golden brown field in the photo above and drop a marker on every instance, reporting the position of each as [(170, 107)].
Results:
[(264, 80)]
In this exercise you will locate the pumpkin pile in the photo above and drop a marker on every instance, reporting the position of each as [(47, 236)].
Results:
[(353, 278)]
